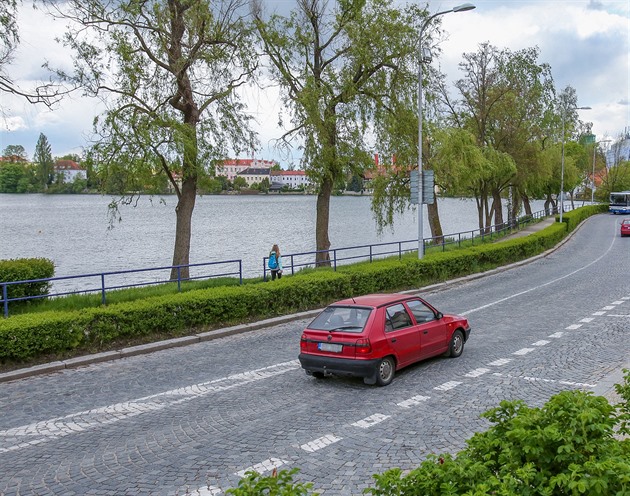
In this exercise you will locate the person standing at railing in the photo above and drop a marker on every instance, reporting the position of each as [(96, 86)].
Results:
[(275, 262)]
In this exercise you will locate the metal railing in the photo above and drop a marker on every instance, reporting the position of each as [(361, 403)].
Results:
[(103, 286), (337, 256)]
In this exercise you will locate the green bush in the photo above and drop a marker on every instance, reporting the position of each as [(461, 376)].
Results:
[(26, 336), (567, 447), (277, 484), (26, 269)]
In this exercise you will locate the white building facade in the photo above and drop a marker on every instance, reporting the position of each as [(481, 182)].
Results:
[(70, 170), (292, 179), (232, 167)]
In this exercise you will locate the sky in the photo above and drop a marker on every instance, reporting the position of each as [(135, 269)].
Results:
[(586, 43)]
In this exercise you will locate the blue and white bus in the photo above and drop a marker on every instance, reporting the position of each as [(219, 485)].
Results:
[(619, 203)]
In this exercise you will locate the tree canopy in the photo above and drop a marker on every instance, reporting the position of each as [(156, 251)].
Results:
[(337, 65), (167, 71)]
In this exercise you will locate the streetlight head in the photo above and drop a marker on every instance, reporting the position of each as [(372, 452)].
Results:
[(464, 7), (583, 108)]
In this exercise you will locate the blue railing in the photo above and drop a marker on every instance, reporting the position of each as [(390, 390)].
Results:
[(337, 256), (295, 261), (103, 286)]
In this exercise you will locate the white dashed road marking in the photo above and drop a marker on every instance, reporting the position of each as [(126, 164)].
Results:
[(597, 314), (523, 351), (447, 386), (557, 334), (501, 361), (476, 372), (416, 400), (377, 418), (573, 327), (320, 443), (617, 302), (609, 307), (264, 466), (542, 342), (540, 379)]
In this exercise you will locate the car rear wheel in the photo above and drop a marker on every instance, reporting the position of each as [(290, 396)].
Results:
[(456, 347), (385, 371)]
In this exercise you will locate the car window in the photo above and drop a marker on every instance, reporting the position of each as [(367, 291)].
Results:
[(337, 318), (420, 311), (397, 318)]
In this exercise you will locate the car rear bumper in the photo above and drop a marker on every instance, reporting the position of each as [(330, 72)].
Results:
[(338, 366), (466, 334)]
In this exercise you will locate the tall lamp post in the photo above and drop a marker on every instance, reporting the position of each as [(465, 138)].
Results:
[(593, 176), (562, 167), (460, 8)]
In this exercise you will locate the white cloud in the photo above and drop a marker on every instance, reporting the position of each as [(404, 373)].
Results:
[(585, 42), (586, 45)]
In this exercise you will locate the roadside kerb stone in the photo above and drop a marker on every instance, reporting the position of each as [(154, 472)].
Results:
[(30, 371), (105, 356)]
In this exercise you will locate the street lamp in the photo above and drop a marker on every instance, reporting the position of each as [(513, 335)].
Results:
[(426, 57), (562, 171), (593, 176)]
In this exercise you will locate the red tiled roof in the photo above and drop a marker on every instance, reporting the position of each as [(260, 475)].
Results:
[(67, 165), (248, 162)]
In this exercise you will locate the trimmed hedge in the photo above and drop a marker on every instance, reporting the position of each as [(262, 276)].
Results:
[(28, 336), (26, 269)]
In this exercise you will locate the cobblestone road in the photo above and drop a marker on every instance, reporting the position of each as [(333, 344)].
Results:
[(193, 420)]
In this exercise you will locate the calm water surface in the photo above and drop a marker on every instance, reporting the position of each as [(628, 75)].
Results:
[(72, 230)]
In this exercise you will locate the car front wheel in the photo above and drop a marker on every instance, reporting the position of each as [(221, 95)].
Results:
[(385, 371), (456, 347)]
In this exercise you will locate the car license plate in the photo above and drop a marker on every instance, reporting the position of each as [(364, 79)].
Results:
[(336, 348)]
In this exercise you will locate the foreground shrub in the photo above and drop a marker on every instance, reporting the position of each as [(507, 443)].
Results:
[(567, 447), (277, 484), (26, 269)]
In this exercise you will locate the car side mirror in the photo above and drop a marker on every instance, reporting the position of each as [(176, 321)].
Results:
[(439, 315)]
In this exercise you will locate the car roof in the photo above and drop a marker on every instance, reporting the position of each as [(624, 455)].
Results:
[(374, 300)]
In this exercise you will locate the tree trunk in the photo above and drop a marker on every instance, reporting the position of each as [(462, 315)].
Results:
[(527, 205), (487, 215), (497, 207), (434, 223), (183, 228), (322, 258)]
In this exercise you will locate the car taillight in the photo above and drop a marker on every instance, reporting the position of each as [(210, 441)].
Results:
[(363, 346), (303, 343)]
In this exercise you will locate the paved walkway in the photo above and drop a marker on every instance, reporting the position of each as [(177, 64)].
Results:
[(532, 228)]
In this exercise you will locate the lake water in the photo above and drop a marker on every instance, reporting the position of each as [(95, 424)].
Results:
[(72, 230)]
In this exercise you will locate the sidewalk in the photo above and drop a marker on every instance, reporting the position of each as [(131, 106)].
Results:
[(532, 228)]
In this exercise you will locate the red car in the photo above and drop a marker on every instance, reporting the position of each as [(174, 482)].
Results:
[(625, 227), (375, 335)]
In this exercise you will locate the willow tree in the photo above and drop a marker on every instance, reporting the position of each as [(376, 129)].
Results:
[(47, 92), (336, 63), (167, 71), (505, 99)]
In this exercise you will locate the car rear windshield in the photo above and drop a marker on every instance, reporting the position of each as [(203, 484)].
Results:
[(337, 318)]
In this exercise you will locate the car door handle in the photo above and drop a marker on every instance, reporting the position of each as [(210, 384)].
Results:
[(425, 332), (393, 340)]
